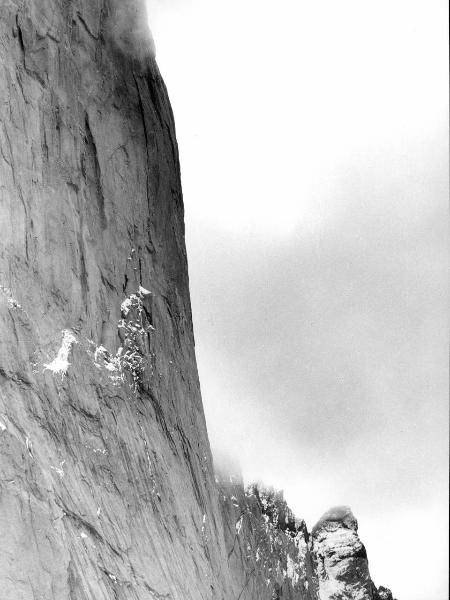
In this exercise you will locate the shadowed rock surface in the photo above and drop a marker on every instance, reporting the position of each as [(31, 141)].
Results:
[(107, 487)]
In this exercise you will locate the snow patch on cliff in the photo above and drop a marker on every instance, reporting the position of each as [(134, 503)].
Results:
[(10, 300), (127, 304), (134, 328), (239, 525), (143, 291), (59, 469), (60, 364), (292, 570)]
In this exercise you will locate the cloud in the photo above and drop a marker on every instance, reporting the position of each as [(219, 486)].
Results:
[(332, 345), (127, 26)]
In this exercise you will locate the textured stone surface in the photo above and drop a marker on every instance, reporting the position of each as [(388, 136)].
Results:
[(107, 487), (340, 559), (267, 547)]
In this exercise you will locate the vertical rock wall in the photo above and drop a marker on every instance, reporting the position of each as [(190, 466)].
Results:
[(106, 479)]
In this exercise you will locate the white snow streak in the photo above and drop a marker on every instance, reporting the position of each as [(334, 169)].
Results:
[(61, 363), (239, 525)]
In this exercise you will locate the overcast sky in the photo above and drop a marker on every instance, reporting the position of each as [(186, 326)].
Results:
[(313, 141)]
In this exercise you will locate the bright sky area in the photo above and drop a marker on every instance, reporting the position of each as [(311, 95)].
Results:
[(313, 142)]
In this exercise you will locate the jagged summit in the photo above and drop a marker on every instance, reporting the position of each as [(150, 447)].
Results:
[(264, 539), (340, 558), (337, 515), (286, 561)]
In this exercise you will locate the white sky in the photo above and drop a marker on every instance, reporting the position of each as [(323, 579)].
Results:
[(313, 150)]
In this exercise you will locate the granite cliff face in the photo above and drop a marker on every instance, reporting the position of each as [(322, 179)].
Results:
[(107, 487)]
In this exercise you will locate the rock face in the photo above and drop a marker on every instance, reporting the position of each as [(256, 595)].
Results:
[(267, 547), (107, 487), (340, 559), (272, 556)]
